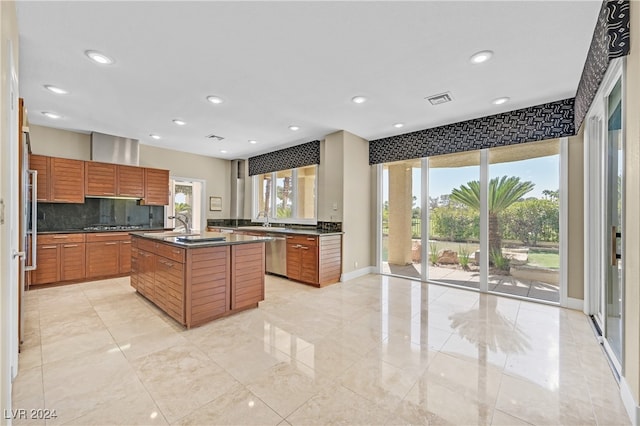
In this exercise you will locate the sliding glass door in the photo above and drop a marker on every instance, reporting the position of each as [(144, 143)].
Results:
[(604, 205), (487, 220)]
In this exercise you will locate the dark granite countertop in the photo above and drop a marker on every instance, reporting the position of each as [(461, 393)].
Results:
[(82, 231), (229, 238), (279, 230)]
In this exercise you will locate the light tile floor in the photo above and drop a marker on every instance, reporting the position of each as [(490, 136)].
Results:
[(374, 350)]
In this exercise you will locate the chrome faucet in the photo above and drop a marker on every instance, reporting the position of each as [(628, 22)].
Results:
[(264, 213), (184, 222)]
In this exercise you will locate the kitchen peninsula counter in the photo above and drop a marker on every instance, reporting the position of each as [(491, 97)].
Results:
[(195, 282)]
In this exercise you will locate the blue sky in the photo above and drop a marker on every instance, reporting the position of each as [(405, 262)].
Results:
[(544, 172)]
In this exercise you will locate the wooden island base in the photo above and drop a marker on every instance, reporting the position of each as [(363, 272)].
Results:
[(195, 285)]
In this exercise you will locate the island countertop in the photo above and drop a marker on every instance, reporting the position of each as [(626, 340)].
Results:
[(202, 239)]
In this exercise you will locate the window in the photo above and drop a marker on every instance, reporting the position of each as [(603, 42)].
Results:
[(286, 196)]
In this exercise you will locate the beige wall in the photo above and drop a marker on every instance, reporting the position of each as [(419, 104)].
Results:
[(575, 224), (331, 178), (214, 171), (9, 31), (59, 143), (356, 204), (631, 225)]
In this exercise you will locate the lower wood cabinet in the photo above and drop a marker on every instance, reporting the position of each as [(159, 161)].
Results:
[(315, 260), (103, 254), (197, 285), (61, 257)]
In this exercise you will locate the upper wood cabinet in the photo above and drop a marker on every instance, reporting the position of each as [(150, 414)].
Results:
[(67, 180), (42, 165), (63, 180), (101, 178), (131, 181), (106, 179), (156, 187)]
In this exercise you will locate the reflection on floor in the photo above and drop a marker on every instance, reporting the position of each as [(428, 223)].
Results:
[(504, 284), (375, 350)]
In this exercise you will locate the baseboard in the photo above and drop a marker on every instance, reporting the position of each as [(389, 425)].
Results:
[(577, 304), (630, 404), (357, 273)]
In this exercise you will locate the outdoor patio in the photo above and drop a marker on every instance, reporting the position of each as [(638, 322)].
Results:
[(504, 284)]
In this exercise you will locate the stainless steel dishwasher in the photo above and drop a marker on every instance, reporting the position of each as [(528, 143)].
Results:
[(276, 254)]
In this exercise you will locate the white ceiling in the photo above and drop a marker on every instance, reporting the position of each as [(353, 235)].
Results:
[(281, 63)]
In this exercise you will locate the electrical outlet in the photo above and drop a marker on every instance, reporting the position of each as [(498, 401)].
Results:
[(355, 264)]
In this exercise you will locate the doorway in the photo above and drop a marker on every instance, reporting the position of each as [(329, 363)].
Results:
[(187, 203), (604, 204)]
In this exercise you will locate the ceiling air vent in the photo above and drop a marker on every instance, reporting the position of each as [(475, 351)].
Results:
[(214, 138), (440, 99)]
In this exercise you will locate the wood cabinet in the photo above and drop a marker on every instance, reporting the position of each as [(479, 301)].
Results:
[(103, 256), (66, 180), (131, 181), (197, 285), (42, 164), (63, 180), (60, 258), (249, 289), (100, 179), (156, 192), (106, 179), (124, 254), (315, 260)]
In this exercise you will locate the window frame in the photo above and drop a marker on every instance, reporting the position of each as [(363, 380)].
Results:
[(257, 190)]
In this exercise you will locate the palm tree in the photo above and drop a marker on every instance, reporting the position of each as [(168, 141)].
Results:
[(503, 192)]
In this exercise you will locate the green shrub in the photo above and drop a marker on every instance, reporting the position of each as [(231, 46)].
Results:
[(498, 260), (463, 257), (433, 253)]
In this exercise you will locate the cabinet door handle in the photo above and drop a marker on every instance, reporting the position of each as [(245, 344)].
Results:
[(108, 193), (60, 237), (125, 242), (169, 264), (304, 247), (70, 245), (110, 244), (311, 239), (177, 251), (48, 247), (289, 237)]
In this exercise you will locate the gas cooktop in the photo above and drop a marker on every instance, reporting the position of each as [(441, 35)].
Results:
[(111, 227)]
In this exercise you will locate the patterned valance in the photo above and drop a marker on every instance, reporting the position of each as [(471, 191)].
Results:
[(288, 158), (610, 40), (547, 121)]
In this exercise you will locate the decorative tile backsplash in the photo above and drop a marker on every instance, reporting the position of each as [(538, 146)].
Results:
[(97, 211), (321, 226)]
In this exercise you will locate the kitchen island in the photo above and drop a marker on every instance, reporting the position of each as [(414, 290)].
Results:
[(198, 278)]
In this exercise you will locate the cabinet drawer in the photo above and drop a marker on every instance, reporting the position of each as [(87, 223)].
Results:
[(107, 236), (171, 252), (60, 238), (146, 245), (305, 240)]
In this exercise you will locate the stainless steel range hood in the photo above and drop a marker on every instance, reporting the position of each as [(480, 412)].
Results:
[(237, 189), (114, 149)]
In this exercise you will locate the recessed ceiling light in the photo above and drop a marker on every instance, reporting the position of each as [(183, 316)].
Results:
[(215, 99), (358, 99), (480, 57), (224, 151), (51, 115), (156, 137), (398, 125), (294, 128), (56, 90), (179, 122), (99, 58), (253, 142), (500, 101)]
